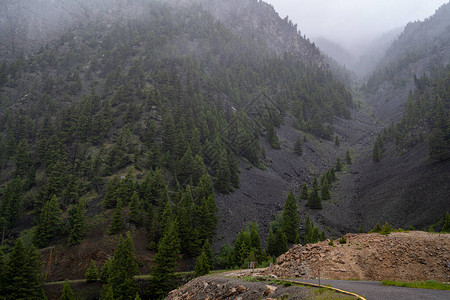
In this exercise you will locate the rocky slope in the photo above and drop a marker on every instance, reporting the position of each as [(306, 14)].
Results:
[(215, 287), (398, 256)]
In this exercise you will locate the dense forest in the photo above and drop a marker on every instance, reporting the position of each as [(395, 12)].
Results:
[(426, 118), (147, 118)]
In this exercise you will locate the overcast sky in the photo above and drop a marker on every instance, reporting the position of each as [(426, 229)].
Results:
[(352, 22)]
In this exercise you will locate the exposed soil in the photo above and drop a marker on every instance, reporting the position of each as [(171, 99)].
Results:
[(63, 262), (410, 256)]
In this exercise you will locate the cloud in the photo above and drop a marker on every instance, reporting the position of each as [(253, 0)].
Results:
[(353, 22)]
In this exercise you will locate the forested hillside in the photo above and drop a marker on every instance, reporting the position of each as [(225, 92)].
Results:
[(140, 120), (421, 46)]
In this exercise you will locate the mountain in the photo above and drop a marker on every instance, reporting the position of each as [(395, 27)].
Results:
[(199, 127), (335, 51), (422, 46), (148, 116), (405, 178)]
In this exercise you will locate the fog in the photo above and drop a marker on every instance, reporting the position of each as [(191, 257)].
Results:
[(353, 24)]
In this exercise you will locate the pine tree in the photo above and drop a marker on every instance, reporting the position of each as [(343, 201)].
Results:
[(209, 255), (67, 293), (77, 223), (271, 243), (234, 171), (165, 262), (136, 209), (12, 202), (117, 221), (186, 216), (48, 222), (281, 243), (325, 192), (331, 176), (337, 143), (446, 225), (314, 200), (348, 158), (91, 274), (298, 147), (291, 219), (111, 196), (107, 293), (255, 241), (22, 277), (272, 136), (201, 266), (338, 165), (304, 193), (123, 269), (104, 273), (376, 152), (222, 182)]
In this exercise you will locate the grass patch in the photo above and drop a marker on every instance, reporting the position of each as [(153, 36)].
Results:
[(429, 284)]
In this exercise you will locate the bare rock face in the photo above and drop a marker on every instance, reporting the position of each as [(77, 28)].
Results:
[(405, 256)]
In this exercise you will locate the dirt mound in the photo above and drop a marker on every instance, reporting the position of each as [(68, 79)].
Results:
[(216, 287), (405, 256)]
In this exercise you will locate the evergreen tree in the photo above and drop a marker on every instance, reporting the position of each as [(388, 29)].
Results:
[(281, 243), (206, 218), (201, 266), (376, 152), (166, 261), (23, 160), (67, 293), (22, 277), (222, 182), (234, 171), (298, 147), (338, 165), (325, 192), (311, 234), (337, 143), (77, 223), (136, 209), (208, 252), (117, 221), (186, 212), (331, 176), (272, 136), (446, 225), (271, 243), (107, 293), (348, 158), (91, 274), (12, 202), (123, 269), (314, 200), (304, 194), (111, 196), (255, 241), (291, 219), (48, 222), (105, 271)]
